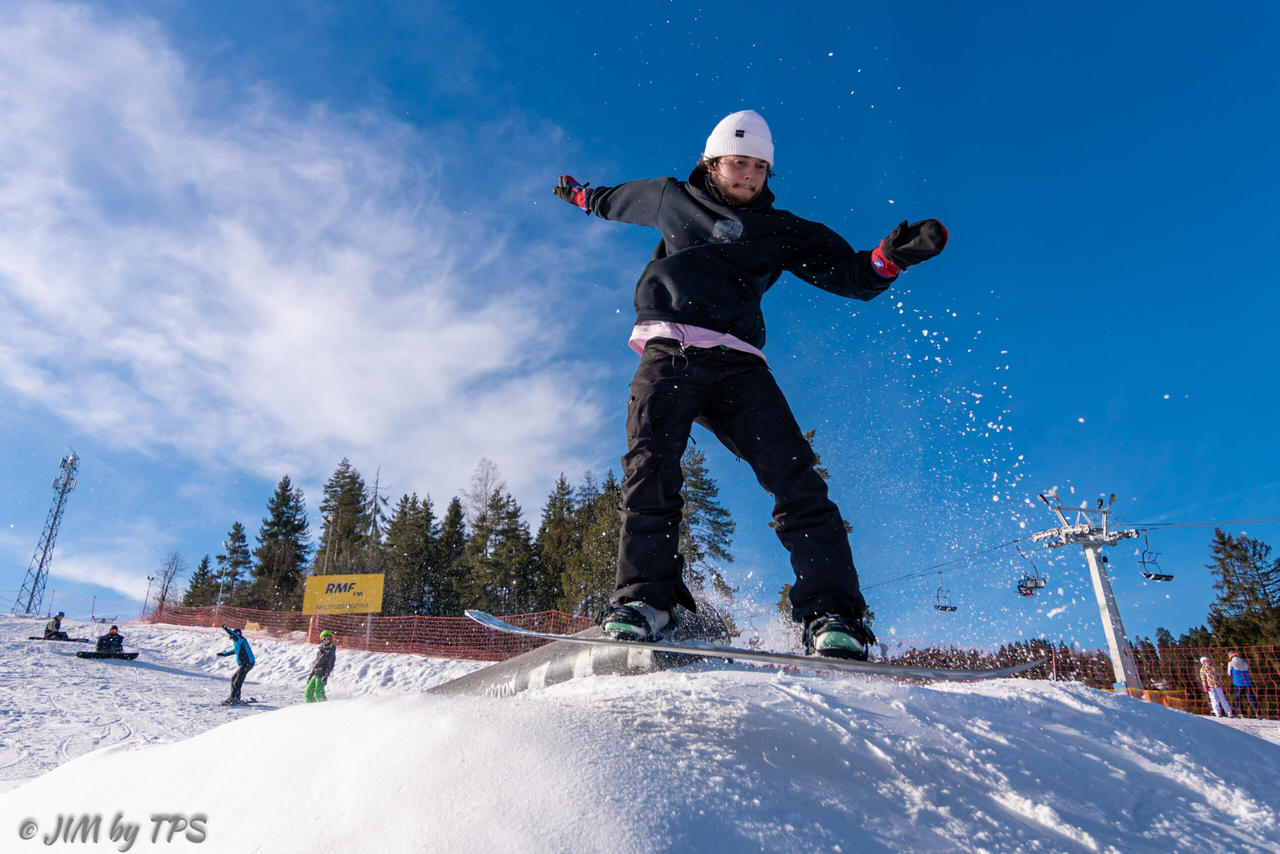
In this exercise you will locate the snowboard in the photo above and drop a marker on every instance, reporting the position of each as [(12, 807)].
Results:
[(249, 702), (774, 659), (69, 640), (127, 656)]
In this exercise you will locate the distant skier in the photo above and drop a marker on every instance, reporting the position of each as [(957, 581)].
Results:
[(326, 655), (699, 329), (112, 641), (53, 628), (1213, 687), (244, 657), (1241, 682)]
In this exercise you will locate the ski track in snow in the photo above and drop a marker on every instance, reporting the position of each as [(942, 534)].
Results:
[(713, 757)]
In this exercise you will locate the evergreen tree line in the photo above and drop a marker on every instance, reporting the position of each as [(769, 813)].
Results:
[(481, 552)]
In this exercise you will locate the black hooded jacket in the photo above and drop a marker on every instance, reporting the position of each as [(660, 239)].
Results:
[(715, 260)]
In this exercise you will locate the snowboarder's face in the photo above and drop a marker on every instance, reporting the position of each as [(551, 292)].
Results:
[(740, 178)]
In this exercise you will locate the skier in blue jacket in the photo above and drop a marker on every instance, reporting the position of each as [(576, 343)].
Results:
[(700, 332), (244, 657)]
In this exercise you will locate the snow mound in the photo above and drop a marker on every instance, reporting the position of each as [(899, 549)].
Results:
[(716, 757)]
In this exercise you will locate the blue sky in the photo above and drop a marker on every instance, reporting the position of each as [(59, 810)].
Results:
[(238, 243)]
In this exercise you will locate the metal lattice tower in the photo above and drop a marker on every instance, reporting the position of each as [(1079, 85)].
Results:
[(1093, 537), (31, 597)]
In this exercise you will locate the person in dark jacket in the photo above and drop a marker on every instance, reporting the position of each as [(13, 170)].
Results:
[(318, 679), (53, 628), (112, 641), (244, 657), (700, 332)]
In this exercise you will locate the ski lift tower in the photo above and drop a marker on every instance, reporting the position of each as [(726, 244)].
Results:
[(33, 587), (1090, 532)]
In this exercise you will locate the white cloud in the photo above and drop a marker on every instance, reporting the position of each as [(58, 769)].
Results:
[(269, 282)]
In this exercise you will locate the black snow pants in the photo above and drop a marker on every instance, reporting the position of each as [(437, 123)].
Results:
[(735, 396), (237, 680)]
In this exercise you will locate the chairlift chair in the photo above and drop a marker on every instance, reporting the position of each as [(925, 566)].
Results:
[(1149, 568), (942, 599), (1031, 581), (1030, 584)]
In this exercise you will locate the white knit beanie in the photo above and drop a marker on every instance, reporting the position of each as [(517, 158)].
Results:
[(742, 133)]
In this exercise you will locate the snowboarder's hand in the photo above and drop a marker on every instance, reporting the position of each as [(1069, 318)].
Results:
[(907, 245), (572, 192)]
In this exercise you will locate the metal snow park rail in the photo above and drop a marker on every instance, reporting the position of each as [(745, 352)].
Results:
[(1171, 675)]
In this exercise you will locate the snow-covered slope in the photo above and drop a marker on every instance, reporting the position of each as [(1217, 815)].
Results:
[(716, 758)]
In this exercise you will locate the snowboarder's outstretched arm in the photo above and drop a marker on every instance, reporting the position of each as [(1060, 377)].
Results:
[(828, 261), (636, 202)]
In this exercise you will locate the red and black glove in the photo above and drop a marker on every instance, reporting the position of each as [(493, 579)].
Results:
[(907, 245), (572, 192)]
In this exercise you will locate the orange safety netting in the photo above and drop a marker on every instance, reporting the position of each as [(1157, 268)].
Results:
[(1169, 676), (441, 637)]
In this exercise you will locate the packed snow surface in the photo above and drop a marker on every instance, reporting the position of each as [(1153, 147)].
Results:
[(717, 757)]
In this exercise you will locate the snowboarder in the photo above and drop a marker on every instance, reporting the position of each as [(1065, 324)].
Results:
[(1241, 682), (112, 641), (699, 331), (323, 666), (1213, 687), (53, 628), (244, 657)]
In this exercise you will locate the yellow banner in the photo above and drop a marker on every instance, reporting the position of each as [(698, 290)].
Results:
[(343, 594)]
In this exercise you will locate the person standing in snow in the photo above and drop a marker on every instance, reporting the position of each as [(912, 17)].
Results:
[(326, 655), (1213, 687), (244, 657), (53, 628), (1241, 682), (699, 332)]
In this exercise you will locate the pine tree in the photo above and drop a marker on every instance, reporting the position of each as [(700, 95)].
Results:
[(784, 600), (348, 521), (233, 566), (202, 589), (497, 565), (1247, 610), (1198, 638), (588, 577), (558, 540), (409, 552), (281, 556), (374, 556), (706, 528), (444, 584)]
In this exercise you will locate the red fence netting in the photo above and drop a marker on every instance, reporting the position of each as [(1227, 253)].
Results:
[(441, 637), (1170, 676)]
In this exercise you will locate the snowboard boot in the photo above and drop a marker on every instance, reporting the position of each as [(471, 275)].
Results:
[(634, 621), (836, 636)]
